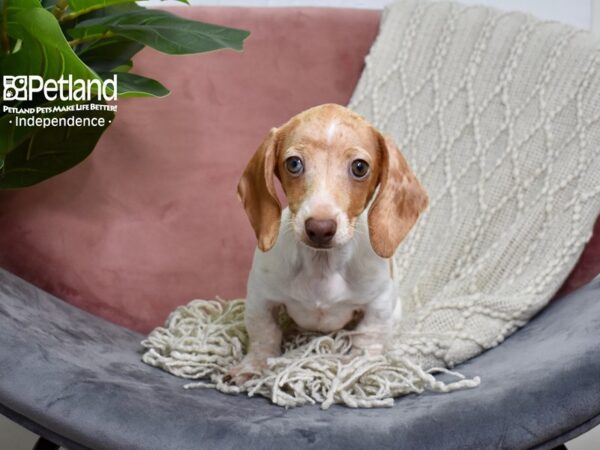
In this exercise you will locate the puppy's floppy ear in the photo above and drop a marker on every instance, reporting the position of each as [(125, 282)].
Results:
[(400, 200), (256, 191)]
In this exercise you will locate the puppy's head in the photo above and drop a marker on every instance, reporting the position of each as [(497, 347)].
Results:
[(330, 162)]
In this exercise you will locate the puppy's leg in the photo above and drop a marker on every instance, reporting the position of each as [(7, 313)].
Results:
[(264, 339), (376, 327)]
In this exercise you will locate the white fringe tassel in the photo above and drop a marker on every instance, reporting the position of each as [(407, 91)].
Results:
[(203, 339)]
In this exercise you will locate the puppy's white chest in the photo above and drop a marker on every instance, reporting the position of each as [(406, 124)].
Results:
[(324, 319), (320, 292), (322, 303)]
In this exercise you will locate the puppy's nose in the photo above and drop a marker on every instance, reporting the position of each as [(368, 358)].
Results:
[(320, 232)]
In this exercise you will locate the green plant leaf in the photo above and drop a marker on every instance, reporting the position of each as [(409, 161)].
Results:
[(106, 54), (45, 152), (84, 5), (11, 135), (131, 85), (8, 9), (21, 4), (123, 68), (43, 50), (48, 3), (162, 31)]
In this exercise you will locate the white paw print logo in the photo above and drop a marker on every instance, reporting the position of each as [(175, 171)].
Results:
[(15, 88)]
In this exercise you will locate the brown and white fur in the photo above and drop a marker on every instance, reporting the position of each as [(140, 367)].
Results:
[(325, 257)]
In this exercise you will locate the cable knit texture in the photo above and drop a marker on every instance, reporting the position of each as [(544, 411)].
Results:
[(498, 114)]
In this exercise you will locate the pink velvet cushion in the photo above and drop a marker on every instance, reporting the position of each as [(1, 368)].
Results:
[(151, 219), (588, 265)]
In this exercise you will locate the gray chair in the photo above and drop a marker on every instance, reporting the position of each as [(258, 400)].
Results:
[(78, 381)]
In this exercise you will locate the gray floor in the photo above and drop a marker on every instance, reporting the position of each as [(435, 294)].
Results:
[(14, 437)]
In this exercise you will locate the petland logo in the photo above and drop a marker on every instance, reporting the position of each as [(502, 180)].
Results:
[(24, 87), (67, 102)]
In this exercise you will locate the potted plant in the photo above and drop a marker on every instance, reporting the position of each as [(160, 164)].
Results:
[(50, 49)]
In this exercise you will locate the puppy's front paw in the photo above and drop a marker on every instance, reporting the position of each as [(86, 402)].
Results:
[(250, 367)]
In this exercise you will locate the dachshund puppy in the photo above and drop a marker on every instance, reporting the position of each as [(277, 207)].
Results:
[(352, 199)]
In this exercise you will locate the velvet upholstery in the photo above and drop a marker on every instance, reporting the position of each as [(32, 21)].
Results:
[(151, 219), (588, 265), (81, 377)]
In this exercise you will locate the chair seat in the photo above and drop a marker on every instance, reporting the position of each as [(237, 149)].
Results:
[(80, 381)]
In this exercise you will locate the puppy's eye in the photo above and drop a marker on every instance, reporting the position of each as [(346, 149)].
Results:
[(360, 169), (294, 165)]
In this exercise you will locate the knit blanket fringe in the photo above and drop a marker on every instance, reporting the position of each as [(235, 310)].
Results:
[(203, 339)]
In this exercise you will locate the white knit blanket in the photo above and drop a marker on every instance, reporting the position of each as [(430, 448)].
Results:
[(499, 116)]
